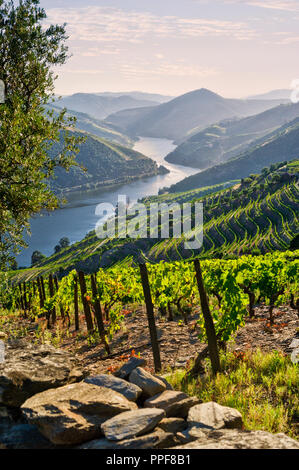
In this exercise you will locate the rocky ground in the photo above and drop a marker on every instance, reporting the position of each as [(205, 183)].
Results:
[(46, 403)]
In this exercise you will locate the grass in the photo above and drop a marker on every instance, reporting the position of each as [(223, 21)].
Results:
[(262, 386)]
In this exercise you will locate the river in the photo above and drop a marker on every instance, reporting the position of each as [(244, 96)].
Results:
[(75, 219)]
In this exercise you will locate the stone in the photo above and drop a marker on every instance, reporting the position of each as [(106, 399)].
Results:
[(155, 440), (129, 390), (174, 403), (132, 424), (149, 384), (173, 425), (29, 369), (128, 367), (237, 439), (212, 416), (24, 436), (295, 343), (73, 414), (167, 384)]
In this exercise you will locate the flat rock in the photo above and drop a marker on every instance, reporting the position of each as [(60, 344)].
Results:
[(128, 367), (29, 369), (173, 424), (132, 424), (237, 439), (174, 403), (149, 384), (212, 416), (74, 413), (155, 440), (129, 390)]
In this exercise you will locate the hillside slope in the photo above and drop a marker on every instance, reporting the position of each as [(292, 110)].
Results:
[(90, 124), (224, 140), (179, 116), (258, 215), (106, 163), (282, 144)]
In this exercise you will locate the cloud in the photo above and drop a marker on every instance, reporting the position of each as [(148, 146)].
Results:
[(107, 24), (285, 5)]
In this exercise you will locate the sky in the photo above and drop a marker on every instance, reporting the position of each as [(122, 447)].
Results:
[(233, 47)]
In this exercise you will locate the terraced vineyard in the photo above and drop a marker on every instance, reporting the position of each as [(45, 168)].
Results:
[(257, 215)]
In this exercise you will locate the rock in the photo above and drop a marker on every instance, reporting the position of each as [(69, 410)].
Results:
[(174, 403), (172, 425), (295, 343), (167, 384), (185, 437), (3, 336), (156, 440), (132, 424), (237, 439), (29, 369), (149, 384), (24, 436), (129, 390), (211, 416), (129, 366), (74, 413), (295, 356)]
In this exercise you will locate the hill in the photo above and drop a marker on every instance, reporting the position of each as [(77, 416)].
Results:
[(282, 95), (257, 215), (174, 119), (97, 127), (139, 95), (106, 164), (283, 144), (101, 106), (224, 140)]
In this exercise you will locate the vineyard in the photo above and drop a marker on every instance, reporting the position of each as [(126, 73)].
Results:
[(98, 303), (257, 215)]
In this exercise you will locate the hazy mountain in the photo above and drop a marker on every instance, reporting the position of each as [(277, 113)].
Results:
[(106, 163), (139, 95), (227, 139), (174, 119), (101, 106), (281, 145), (283, 95)]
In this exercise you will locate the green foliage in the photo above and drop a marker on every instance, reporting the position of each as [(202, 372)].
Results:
[(28, 52), (262, 386)]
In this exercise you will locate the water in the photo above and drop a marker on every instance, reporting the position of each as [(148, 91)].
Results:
[(77, 217)]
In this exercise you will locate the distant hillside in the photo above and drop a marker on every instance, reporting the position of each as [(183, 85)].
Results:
[(283, 144), (260, 214), (97, 127), (174, 119), (101, 106), (139, 95), (224, 140), (283, 95), (106, 163)]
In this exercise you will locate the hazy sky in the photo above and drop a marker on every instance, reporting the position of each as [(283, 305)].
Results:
[(233, 47)]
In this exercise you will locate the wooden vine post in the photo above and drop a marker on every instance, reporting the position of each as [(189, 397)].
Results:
[(76, 303), (86, 307), (40, 293), (98, 312), (150, 316), (208, 319), (51, 291), (60, 305)]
